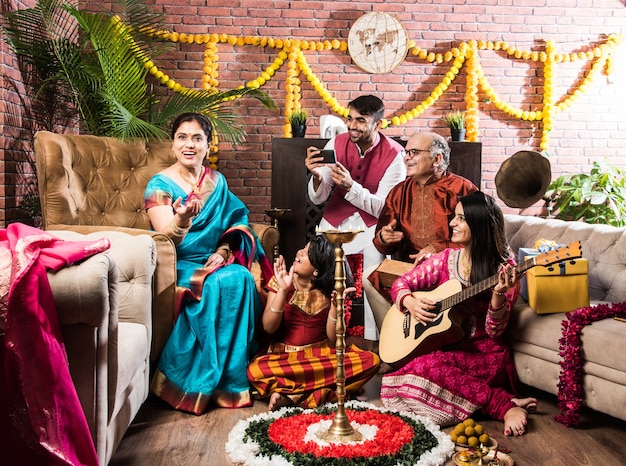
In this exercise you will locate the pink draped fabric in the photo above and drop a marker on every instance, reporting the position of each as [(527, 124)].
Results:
[(40, 413)]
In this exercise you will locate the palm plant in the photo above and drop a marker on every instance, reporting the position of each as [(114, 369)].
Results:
[(92, 65)]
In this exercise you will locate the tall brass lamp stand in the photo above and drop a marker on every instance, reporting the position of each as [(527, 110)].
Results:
[(340, 429), (275, 213)]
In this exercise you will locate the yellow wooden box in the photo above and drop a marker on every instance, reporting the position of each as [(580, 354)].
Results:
[(560, 287)]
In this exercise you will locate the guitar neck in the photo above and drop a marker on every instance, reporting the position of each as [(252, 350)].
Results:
[(483, 285), (571, 251)]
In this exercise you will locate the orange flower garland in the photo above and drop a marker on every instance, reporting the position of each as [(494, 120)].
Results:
[(292, 51), (471, 93), (210, 71), (548, 92)]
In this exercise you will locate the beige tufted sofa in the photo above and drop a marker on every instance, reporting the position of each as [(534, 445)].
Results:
[(94, 186), (535, 338)]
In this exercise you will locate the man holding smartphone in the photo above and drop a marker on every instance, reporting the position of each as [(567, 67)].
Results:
[(368, 165)]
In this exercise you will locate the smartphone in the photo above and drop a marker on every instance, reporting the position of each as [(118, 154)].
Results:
[(329, 155)]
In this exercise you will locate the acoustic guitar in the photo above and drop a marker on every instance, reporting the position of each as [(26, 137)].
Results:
[(401, 339)]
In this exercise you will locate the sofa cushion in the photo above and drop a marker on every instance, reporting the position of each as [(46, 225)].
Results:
[(538, 336)]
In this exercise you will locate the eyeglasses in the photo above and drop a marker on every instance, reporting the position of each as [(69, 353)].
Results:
[(410, 153)]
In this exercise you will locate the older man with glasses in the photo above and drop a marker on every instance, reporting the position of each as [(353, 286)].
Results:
[(414, 222)]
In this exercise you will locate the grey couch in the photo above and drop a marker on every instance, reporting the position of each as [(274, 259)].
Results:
[(104, 306), (535, 338)]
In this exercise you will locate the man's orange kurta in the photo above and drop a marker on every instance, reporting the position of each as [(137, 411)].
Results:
[(423, 214)]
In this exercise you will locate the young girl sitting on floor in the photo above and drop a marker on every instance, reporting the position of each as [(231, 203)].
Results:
[(298, 367)]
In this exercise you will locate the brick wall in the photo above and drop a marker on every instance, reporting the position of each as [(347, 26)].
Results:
[(17, 171), (593, 128)]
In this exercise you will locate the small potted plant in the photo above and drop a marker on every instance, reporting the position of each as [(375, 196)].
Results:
[(297, 120), (456, 122)]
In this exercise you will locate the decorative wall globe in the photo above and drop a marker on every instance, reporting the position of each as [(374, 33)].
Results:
[(377, 42)]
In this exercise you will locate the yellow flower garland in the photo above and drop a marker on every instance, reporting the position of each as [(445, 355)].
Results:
[(471, 93), (548, 93), (291, 51)]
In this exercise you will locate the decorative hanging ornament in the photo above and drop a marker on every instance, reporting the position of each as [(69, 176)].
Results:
[(377, 42)]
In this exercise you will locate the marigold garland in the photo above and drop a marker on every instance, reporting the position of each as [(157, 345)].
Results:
[(471, 92), (548, 93), (571, 394), (292, 51)]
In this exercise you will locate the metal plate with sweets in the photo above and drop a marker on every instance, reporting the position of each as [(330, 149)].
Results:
[(492, 444), (493, 458)]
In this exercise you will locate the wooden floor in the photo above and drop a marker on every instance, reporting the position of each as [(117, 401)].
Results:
[(161, 436)]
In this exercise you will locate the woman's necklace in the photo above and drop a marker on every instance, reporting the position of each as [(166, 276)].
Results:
[(195, 184), (466, 266)]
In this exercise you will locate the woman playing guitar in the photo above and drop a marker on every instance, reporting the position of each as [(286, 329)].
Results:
[(476, 373)]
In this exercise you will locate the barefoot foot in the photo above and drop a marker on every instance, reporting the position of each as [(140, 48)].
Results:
[(515, 421), (278, 400), (529, 404)]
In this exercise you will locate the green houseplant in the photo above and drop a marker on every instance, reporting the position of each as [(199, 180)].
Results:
[(297, 120), (456, 122), (455, 119), (92, 65), (596, 197)]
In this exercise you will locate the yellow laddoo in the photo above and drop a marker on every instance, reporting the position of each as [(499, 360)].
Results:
[(470, 433)]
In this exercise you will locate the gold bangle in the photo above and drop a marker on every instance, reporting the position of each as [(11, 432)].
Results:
[(275, 311), (177, 230), (498, 293), (226, 247), (491, 308), (332, 319)]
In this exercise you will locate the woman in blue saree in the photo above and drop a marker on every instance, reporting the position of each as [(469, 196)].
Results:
[(205, 359)]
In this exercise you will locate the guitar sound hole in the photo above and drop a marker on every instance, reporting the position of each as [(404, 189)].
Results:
[(437, 307)]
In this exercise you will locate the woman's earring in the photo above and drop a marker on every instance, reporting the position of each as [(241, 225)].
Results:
[(315, 273)]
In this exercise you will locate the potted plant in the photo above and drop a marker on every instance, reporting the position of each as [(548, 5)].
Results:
[(94, 65), (297, 120), (456, 122), (597, 197)]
